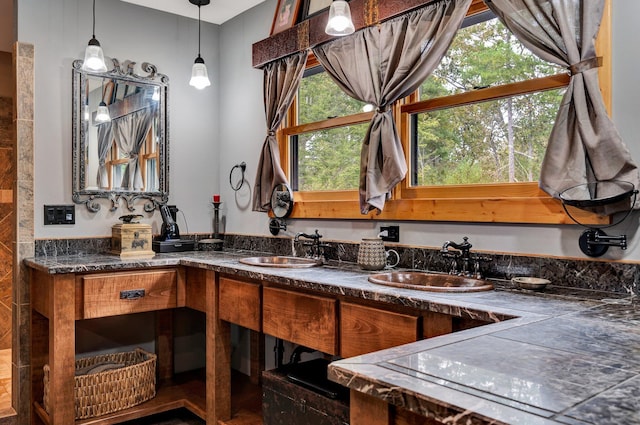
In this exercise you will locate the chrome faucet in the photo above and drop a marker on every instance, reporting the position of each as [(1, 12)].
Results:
[(316, 248)]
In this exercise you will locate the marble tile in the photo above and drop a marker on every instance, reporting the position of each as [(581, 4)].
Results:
[(545, 378), (25, 225), (24, 86), (617, 406), (600, 275), (24, 150), (607, 345)]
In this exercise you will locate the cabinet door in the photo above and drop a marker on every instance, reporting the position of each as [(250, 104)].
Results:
[(240, 303), (366, 329), (110, 294), (303, 319)]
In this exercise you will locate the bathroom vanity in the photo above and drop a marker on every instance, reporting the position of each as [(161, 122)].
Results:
[(501, 356)]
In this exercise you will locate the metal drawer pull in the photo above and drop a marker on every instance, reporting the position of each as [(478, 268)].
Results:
[(132, 294)]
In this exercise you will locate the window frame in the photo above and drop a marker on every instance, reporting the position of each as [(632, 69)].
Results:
[(485, 203)]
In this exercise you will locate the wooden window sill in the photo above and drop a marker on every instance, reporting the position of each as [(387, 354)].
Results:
[(532, 210)]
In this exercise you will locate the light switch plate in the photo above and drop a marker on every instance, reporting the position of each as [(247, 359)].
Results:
[(59, 214)]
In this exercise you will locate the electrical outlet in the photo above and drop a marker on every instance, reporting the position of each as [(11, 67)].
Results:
[(59, 214), (393, 233)]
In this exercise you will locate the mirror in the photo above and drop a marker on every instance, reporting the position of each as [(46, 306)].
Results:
[(125, 158), (281, 207), (281, 201)]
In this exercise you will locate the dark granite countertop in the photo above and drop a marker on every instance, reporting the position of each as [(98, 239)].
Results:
[(547, 358)]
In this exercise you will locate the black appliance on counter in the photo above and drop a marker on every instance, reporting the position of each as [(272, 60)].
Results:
[(169, 239)]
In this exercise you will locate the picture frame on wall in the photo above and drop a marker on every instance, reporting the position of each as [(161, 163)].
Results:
[(313, 7), (285, 16)]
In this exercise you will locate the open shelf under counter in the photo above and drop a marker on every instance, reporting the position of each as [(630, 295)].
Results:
[(185, 390)]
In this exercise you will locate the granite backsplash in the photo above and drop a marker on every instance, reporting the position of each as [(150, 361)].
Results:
[(600, 275)]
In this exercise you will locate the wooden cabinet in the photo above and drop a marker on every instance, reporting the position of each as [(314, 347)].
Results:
[(303, 319), (62, 299), (365, 329), (110, 294), (240, 303), (332, 324)]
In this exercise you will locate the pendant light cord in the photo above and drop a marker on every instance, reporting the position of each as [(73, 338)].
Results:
[(94, 19), (198, 29)]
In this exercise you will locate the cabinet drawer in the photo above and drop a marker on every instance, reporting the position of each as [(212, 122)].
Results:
[(365, 329), (111, 294), (302, 319), (240, 303)]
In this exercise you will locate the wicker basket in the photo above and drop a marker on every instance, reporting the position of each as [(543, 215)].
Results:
[(111, 390)]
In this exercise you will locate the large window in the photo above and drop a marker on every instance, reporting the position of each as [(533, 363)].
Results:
[(474, 135), (492, 140)]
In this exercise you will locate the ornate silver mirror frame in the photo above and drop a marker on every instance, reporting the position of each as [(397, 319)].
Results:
[(128, 94)]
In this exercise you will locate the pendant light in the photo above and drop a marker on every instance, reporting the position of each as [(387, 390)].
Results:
[(339, 22), (199, 76), (102, 114), (93, 56)]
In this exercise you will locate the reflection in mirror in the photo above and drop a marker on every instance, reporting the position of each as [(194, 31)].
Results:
[(120, 136)]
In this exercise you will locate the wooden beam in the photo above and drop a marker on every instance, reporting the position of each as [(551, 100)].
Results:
[(310, 33)]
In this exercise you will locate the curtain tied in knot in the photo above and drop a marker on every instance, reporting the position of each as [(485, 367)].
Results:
[(383, 109), (585, 65), (272, 133)]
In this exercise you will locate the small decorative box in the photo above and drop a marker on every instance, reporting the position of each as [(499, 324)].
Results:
[(131, 240)]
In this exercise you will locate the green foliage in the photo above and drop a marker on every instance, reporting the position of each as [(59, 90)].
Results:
[(488, 142), (330, 159)]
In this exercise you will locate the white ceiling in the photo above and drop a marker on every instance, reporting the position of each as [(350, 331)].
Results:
[(216, 12)]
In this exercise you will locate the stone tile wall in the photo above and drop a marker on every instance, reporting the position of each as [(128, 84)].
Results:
[(23, 68)]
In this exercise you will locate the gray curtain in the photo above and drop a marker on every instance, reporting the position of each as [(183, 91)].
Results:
[(281, 81), (105, 140), (380, 65), (130, 132), (584, 145)]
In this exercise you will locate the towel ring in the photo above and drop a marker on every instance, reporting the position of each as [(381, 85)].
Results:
[(243, 167)]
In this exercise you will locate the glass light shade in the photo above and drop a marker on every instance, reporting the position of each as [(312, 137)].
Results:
[(94, 58), (339, 22), (199, 76), (102, 114), (368, 107)]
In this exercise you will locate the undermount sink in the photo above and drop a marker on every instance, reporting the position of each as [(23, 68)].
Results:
[(431, 282), (281, 261)]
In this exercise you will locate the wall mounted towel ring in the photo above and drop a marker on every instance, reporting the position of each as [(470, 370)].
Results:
[(242, 167)]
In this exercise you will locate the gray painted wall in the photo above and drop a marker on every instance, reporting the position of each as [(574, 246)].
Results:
[(60, 30), (224, 125)]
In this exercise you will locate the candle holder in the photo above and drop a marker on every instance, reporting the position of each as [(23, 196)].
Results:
[(216, 242)]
